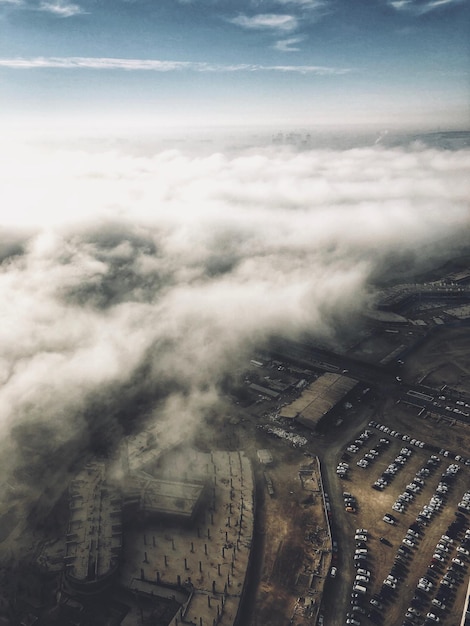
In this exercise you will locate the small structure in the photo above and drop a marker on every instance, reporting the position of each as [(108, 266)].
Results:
[(265, 457), (266, 391), (153, 497)]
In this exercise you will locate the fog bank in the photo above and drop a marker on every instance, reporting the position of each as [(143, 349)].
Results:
[(132, 284)]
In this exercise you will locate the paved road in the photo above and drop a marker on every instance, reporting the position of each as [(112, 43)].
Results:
[(385, 377), (336, 596)]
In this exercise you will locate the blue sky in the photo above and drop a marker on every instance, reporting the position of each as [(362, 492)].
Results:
[(301, 62)]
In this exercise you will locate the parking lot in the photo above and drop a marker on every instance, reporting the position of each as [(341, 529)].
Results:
[(407, 508)]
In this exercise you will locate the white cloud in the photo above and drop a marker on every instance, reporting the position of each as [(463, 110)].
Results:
[(420, 7), (268, 21), (61, 8), (304, 4), (154, 276), (435, 4), (400, 4), (97, 63), (288, 45)]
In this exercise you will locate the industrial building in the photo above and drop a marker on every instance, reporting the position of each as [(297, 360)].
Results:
[(94, 537), (318, 399), (183, 544)]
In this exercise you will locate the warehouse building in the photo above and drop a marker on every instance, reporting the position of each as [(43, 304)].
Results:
[(318, 399)]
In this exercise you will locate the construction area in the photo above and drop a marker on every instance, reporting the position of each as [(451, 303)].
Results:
[(94, 534), (203, 565), (297, 545), (168, 545)]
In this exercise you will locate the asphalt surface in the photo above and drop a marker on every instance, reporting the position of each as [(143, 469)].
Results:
[(386, 378)]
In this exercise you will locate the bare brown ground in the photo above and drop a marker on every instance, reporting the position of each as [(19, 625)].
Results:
[(443, 360), (294, 537)]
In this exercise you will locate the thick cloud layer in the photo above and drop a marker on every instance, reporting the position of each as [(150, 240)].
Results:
[(130, 285)]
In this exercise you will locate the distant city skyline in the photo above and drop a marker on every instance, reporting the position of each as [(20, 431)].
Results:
[(208, 62)]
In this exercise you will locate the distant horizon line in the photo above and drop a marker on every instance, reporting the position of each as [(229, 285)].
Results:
[(158, 65), (148, 125)]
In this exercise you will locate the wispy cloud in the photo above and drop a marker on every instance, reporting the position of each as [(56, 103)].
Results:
[(420, 7), (98, 63), (263, 21), (61, 9), (307, 69), (104, 63), (288, 45), (304, 4)]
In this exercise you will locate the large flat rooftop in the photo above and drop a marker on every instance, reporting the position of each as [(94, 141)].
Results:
[(319, 398), (204, 565)]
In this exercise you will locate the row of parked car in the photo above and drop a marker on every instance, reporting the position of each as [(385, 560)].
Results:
[(373, 453), (342, 469), (437, 500), (416, 485), (417, 442), (392, 469), (353, 446), (356, 444), (435, 580), (350, 502), (397, 434), (362, 578), (464, 504)]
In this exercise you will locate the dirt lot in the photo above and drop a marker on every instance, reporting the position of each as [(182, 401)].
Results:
[(372, 505), (296, 544), (444, 360)]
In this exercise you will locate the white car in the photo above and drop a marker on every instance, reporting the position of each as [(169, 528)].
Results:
[(433, 617), (363, 572), (413, 611), (362, 579), (438, 603), (442, 547)]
